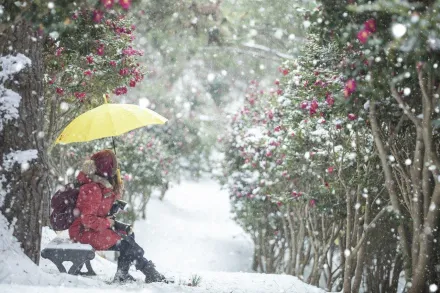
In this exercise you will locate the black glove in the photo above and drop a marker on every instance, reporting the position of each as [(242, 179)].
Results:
[(119, 226)]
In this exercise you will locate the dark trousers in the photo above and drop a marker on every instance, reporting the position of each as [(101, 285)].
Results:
[(130, 253)]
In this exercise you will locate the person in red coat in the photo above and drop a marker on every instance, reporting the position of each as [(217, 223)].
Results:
[(100, 188)]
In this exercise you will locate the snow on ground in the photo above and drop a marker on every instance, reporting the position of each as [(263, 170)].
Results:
[(189, 233), (192, 230)]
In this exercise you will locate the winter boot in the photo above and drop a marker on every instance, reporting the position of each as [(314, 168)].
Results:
[(122, 275), (149, 270)]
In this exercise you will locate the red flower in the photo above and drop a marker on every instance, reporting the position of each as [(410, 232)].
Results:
[(269, 154), (338, 126), (125, 4), (312, 203), (124, 71), (270, 114), (100, 50), (363, 36), (113, 63), (285, 72), (304, 105), (370, 25), (97, 15), (314, 105), (60, 91), (279, 92), (107, 3), (330, 170), (279, 203), (351, 116), (80, 96), (131, 52), (59, 51), (89, 59), (132, 83), (277, 81), (350, 87), (88, 73), (330, 100), (278, 128), (120, 90), (74, 16)]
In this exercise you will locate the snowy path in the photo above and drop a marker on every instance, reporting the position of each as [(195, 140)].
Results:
[(189, 233), (191, 230)]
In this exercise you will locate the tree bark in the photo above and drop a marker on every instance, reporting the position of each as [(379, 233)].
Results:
[(26, 189)]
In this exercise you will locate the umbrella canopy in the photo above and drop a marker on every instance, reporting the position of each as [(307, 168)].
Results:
[(108, 120)]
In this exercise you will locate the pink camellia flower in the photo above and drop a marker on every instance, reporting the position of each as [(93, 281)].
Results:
[(330, 170), (270, 114), (112, 63), (279, 203), (314, 105), (351, 116), (75, 16), (370, 25), (120, 90), (124, 71), (131, 52), (132, 83), (279, 92), (107, 3), (338, 126), (97, 16), (350, 87), (89, 59), (59, 51), (125, 4), (269, 154), (100, 50), (88, 73), (60, 91), (330, 100), (277, 82), (285, 72), (304, 105), (80, 96), (363, 36), (312, 203), (294, 194)]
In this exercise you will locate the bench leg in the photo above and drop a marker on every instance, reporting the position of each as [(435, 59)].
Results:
[(75, 269), (58, 263), (90, 271)]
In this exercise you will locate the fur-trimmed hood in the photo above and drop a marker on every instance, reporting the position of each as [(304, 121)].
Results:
[(88, 171)]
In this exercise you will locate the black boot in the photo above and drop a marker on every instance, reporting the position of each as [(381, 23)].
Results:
[(149, 270), (122, 275)]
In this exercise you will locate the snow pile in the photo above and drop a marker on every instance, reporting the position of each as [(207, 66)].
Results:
[(17, 268)]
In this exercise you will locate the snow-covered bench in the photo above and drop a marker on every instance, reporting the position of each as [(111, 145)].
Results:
[(60, 250)]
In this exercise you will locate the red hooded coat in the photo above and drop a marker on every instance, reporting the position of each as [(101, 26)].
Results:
[(95, 200)]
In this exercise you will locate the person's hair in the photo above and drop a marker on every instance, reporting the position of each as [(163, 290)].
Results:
[(117, 187)]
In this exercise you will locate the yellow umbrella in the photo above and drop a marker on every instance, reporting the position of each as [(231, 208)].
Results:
[(108, 120)]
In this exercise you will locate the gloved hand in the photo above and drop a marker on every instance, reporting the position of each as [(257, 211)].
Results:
[(119, 226)]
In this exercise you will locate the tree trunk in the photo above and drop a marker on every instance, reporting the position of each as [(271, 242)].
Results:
[(25, 188)]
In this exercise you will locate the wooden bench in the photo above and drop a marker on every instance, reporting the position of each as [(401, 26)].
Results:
[(60, 250)]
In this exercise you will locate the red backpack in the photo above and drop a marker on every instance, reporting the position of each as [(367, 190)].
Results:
[(64, 208)]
